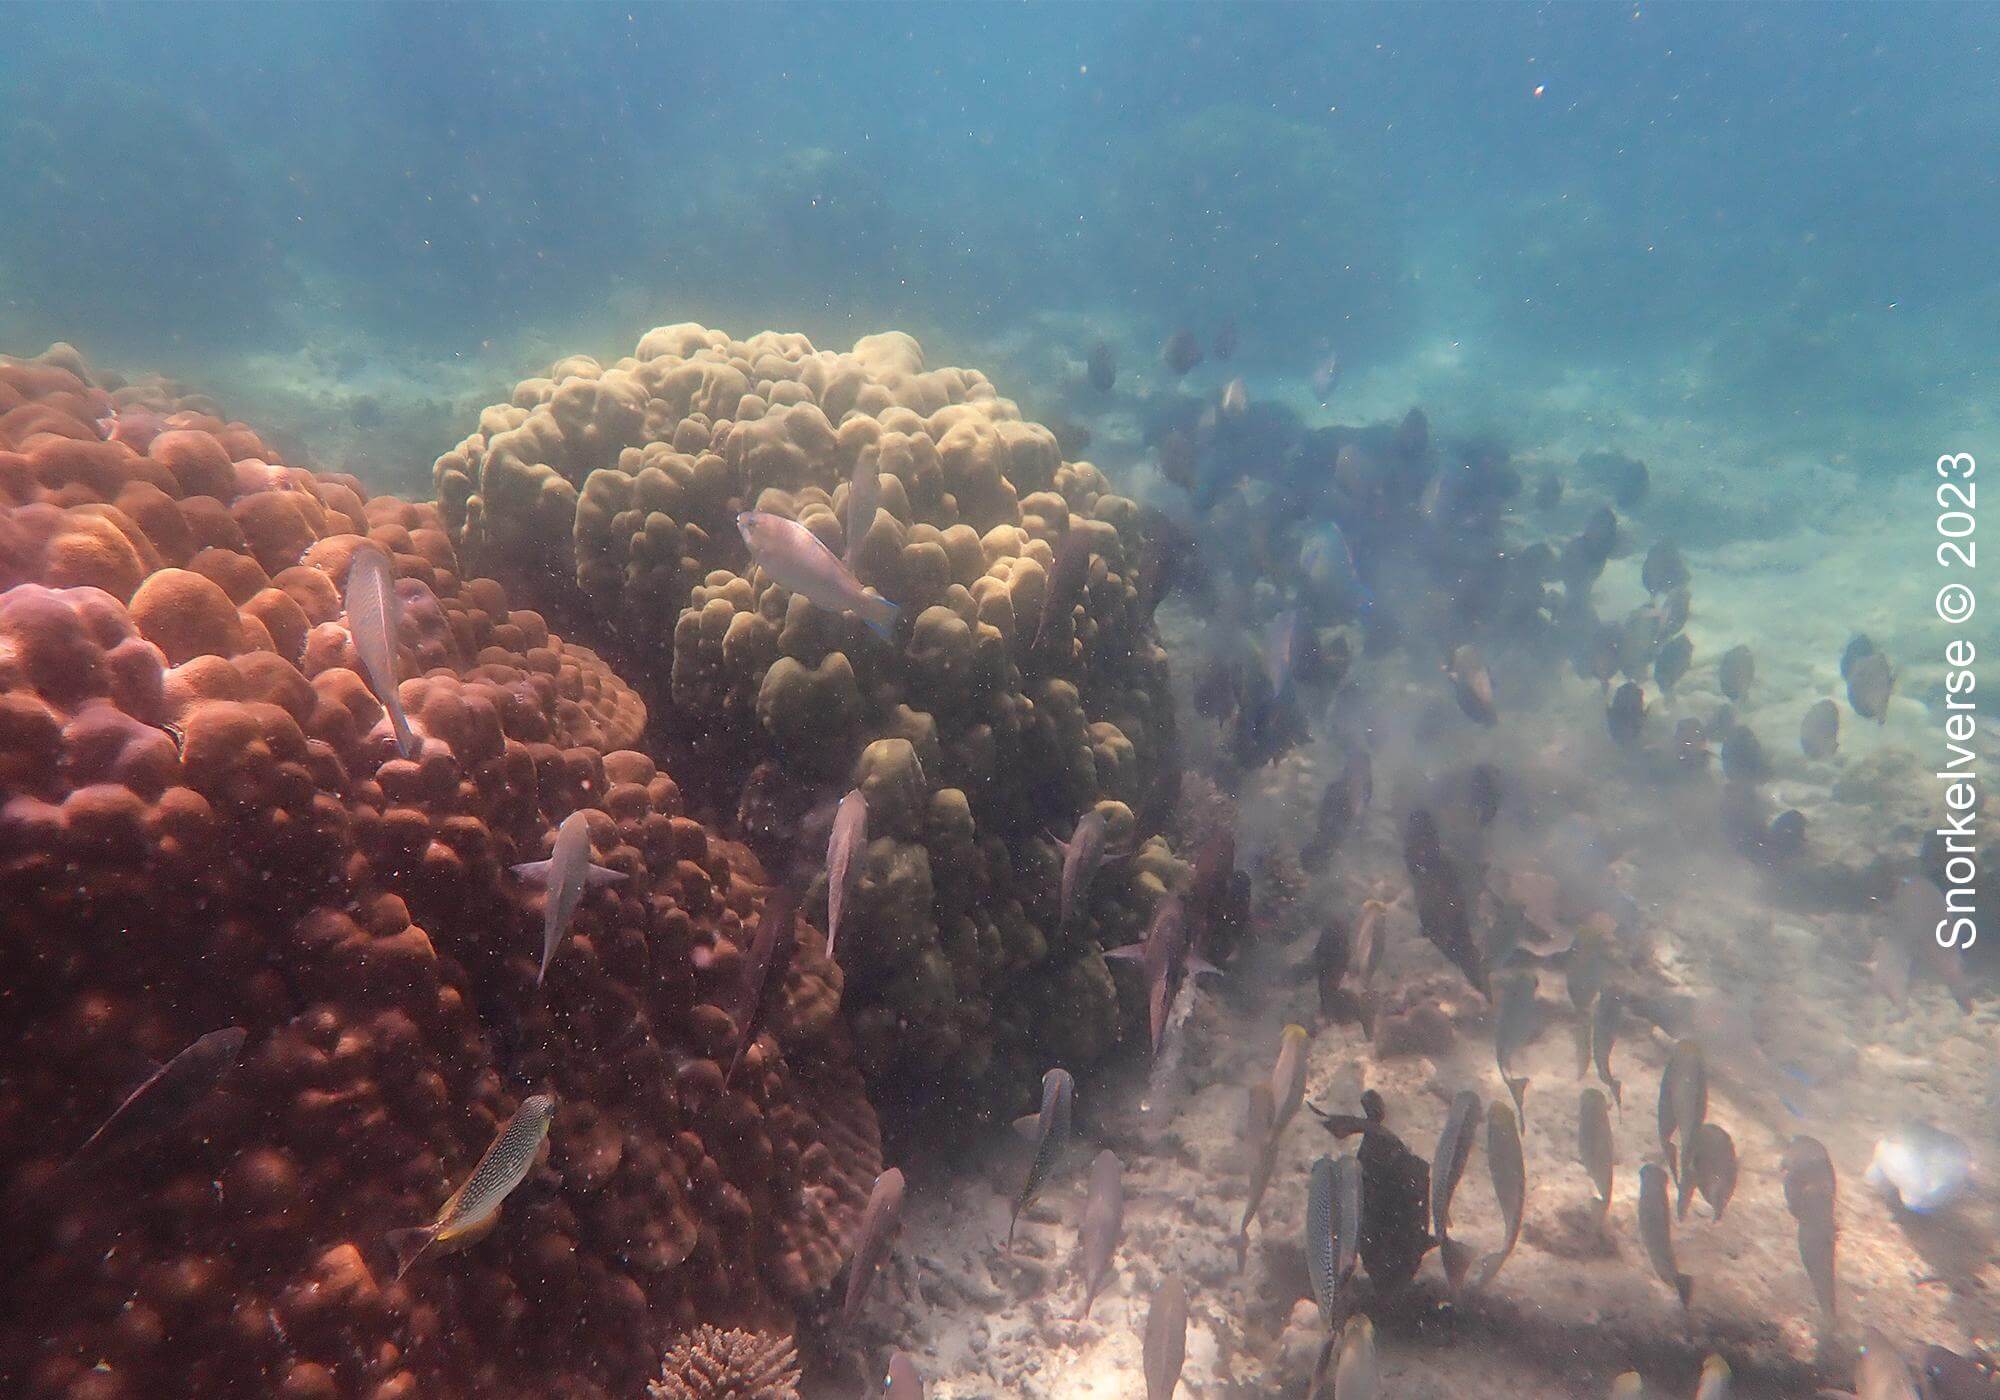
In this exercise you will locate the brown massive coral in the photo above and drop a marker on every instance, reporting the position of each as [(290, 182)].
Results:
[(608, 494), (204, 822)]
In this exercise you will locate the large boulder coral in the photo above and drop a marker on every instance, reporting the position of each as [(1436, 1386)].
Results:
[(204, 822), (608, 493)]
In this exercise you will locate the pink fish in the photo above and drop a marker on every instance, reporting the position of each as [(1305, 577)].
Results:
[(566, 874), (1167, 959), (375, 618), (878, 1223), (795, 559), (850, 835)]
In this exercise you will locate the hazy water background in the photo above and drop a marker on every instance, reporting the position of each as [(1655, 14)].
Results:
[(1774, 215)]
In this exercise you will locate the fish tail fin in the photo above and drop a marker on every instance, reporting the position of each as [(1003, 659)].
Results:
[(409, 1246), (1129, 952), (407, 743), (880, 615), (1457, 1259)]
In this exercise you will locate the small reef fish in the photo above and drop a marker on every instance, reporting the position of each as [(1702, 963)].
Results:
[(1516, 1019), (1715, 1377), (1327, 561), (1682, 1109), (1671, 664), (770, 958), (1810, 1190), (1656, 1228), (1332, 955), (795, 559), (1165, 1347), (1510, 1185), (1181, 353), (1261, 1143), (1103, 1225), (1472, 685), (1358, 1374), (871, 1247), (374, 619), (864, 497), (1066, 580), (1049, 1131), (1920, 1168), (1595, 1147), (1340, 808), (1454, 1150), (1083, 853), (474, 1207), (1442, 911), (848, 839), (1665, 568), (1102, 367), (902, 1382), (1713, 1169), (1288, 1078), (164, 1098), (1626, 715), (1583, 978), (1869, 685), (1735, 672), (1819, 731), (1167, 960), (566, 874)]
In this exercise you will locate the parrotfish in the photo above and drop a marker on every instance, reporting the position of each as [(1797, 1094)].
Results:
[(1083, 853), (770, 958), (1103, 1224), (1714, 1167), (1595, 1148), (1165, 1348), (474, 1207), (1715, 1378), (1656, 1228), (864, 496), (848, 839), (795, 559), (1920, 1168), (374, 619), (164, 1098), (1167, 959), (871, 1246), (1510, 1185), (1049, 1130), (566, 874), (902, 1382), (1066, 580)]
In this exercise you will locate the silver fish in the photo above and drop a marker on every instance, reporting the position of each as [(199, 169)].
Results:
[(848, 839), (566, 874), (902, 1382), (1165, 1347), (1656, 1228), (1103, 1224), (374, 620), (1288, 1078), (505, 1165), (794, 558), (1261, 1143), (1050, 1129), (1083, 854), (1713, 1167), (1810, 1191), (1510, 1185), (1595, 1147), (1454, 1150), (165, 1097), (1358, 1374), (878, 1225), (864, 496), (1715, 1377), (1516, 1019), (1605, 1022)]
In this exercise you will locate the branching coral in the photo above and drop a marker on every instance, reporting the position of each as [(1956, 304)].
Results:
[(609, 493), (711, 1364), (204, 822)]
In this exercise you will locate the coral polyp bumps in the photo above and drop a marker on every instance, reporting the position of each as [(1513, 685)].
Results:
[(206, 822)]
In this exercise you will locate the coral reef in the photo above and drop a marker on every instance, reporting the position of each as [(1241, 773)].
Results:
[(607, 495), (711, 1364), (206, 823)]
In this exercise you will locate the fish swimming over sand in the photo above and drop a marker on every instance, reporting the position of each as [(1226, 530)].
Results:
[(1682, 1109), (1664, 569), (1510, 1185), (1869, 684), (1326, 378), (374, 620), (164, 1098), (1472, 685), (848, 839), (1819, 731), (864, 498), (1595, 1146), (1165, 1347), (475, 1206), (1626, 716), (770, 958), (1671, 662), (1920, 1168), (1810, 1189), (1656, 1229), (1735, 672), (1288, 1077), (871, 1247), (566, 874), (1341, 808), (1442, 911), (1049, 1130), (1713, 1169), (1102, 367), (1181, 353), (1454, 1149), (1605, 1022), (795, 559), (1167, 959), (1226, 339), (1261, 1145), (1103, 1225), (1323, 1246), (1516, 1020)]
